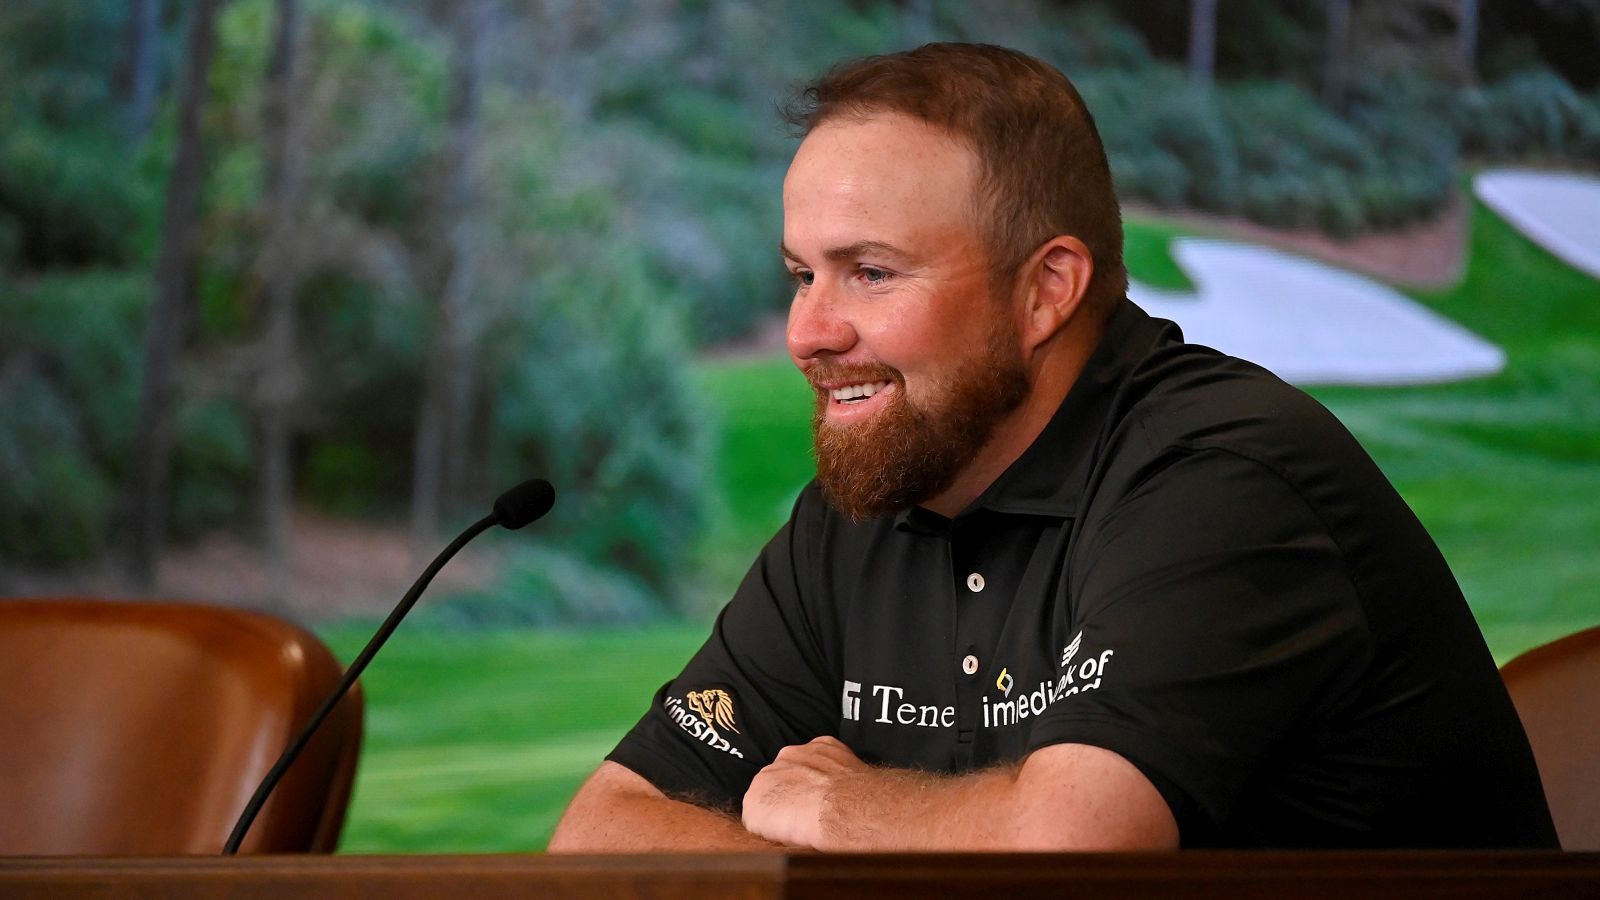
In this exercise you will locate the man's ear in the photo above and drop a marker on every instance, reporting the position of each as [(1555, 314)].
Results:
[(1056, 281)]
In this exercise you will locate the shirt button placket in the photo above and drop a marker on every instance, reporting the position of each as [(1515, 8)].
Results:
[(969, 663)]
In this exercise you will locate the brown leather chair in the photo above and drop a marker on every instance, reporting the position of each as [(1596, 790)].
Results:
[(143, 728), (1556, 689)]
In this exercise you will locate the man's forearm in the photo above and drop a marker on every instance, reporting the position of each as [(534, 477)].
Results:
[(911, 810), (1061, 798), (616, 811)]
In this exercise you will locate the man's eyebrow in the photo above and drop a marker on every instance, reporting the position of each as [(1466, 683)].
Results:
[(852, 251)]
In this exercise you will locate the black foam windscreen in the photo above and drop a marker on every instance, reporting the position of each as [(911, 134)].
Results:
[(524, 503)]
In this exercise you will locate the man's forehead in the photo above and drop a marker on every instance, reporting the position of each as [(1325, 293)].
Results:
[(881, 169), (885, 144)]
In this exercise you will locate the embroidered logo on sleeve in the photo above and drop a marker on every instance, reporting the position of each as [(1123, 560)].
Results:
[(707, 711), (1070, 651), (1081, 676), (714, 706)]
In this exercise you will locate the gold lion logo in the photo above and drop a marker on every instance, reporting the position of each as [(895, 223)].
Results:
[(714, 706)]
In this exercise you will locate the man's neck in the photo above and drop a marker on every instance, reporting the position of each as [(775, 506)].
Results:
[(1058, 370)]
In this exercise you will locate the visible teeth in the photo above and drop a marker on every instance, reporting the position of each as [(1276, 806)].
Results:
[(857, 391)]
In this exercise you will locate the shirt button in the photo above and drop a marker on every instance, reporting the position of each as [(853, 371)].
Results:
[(975, 582), (970, 665)]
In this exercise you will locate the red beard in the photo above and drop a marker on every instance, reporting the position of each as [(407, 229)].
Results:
[(908, 454)]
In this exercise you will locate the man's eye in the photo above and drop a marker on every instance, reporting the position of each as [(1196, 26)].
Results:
[(803, 277), (873, 276)]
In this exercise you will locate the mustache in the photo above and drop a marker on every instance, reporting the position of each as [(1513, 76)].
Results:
[(822, 372)]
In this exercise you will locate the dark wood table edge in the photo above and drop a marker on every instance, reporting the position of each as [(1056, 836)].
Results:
[(1271, 875)]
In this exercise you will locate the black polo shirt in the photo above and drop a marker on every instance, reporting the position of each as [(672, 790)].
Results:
[(1195, 566)]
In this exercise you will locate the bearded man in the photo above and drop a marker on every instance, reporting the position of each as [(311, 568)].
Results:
[(1063, 581)]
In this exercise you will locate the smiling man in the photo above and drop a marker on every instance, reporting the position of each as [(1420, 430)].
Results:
[(1063, 581)]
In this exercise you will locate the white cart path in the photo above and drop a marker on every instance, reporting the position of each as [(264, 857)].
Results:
[(1559, 211)]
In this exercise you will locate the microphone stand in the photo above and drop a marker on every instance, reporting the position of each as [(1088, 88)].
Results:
[(292, 752)]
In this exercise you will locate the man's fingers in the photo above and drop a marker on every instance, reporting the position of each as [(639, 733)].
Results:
[(790, 754), (827, 753), (818, 746)]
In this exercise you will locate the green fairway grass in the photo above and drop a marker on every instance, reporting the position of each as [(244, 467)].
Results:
[(475, 741)]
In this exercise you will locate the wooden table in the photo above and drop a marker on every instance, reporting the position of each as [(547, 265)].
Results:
[(1233, 875)]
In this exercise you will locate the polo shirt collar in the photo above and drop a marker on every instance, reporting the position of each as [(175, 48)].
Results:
[(1048, 478)]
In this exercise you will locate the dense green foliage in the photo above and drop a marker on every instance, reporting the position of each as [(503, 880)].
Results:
[(1270, 152), (630, 164), (578, 368), (1531, 114)]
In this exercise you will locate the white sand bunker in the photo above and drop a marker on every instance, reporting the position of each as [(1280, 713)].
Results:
[(1311, 323), (1559, 211)]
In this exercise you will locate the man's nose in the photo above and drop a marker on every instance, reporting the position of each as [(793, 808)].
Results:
[(816, 326)]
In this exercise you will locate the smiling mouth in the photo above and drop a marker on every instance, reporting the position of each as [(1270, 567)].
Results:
[(856, 393)]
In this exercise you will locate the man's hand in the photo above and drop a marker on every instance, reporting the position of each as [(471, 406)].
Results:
[(788, 801)]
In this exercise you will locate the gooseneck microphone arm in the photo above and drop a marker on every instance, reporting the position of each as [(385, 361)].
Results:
[(515, 508)]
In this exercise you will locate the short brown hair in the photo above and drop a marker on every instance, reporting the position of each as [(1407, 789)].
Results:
[(1043, 165)]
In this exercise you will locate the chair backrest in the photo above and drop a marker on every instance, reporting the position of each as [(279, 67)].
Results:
[(143, 728), (1556, 689)]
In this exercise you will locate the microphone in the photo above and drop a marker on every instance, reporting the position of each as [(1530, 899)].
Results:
[(524, 504), (517, 507)]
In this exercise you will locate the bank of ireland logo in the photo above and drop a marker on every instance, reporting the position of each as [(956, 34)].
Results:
[(714, 707), (1070, 650), (1084, 674)]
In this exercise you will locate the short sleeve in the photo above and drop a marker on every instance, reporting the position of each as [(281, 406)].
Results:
[(1215, 619), (757, 685)]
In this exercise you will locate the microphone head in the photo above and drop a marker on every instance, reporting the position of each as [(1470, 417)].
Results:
[(524, 503)]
